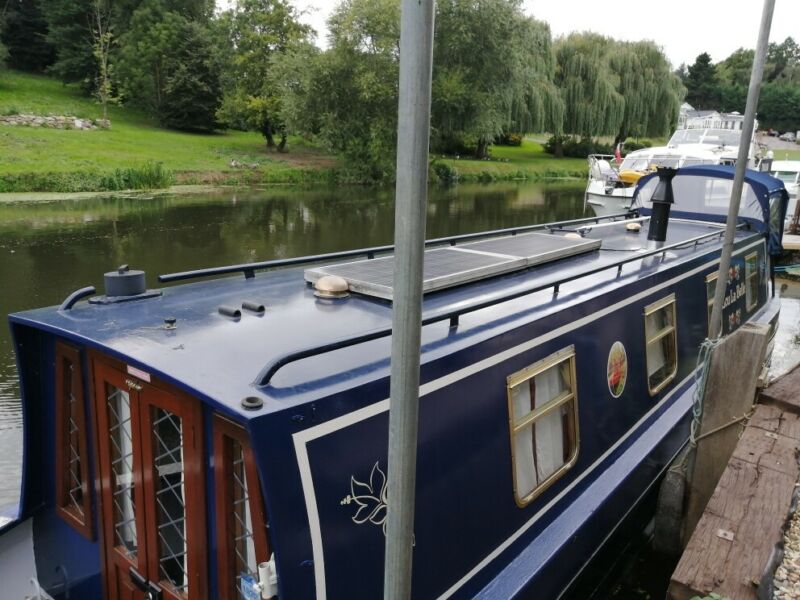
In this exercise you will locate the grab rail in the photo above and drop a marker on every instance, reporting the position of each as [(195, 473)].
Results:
[(266, 374), (249, 269)]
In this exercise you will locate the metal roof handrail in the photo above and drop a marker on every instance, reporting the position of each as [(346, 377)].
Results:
[(249, 269), (269, 371)]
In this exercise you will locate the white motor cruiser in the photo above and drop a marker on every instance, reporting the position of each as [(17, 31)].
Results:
[(611, 182)]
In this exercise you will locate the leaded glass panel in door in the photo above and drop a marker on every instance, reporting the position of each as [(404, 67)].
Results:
[(246, 567), (170, 492), (123, 492)]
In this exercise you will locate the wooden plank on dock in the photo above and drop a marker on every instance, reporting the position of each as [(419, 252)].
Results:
[(784, 392), (737, 534), (730, 394)]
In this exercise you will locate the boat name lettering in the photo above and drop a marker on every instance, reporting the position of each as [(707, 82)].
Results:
[(734, 295)]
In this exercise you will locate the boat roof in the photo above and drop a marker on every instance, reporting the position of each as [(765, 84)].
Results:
[(222, 360)]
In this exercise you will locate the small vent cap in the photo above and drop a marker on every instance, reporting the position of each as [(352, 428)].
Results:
[(331, 286)]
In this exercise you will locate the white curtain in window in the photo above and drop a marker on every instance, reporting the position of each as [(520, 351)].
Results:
[(751, 282), (549, 429), (523, 441), (656, 358)]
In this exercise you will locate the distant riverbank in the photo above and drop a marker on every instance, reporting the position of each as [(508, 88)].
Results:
[(137, 154)]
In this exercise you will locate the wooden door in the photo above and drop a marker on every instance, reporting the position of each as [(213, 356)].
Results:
[(151, 480)]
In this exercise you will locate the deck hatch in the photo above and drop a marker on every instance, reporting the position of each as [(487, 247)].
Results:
[(448, 267)]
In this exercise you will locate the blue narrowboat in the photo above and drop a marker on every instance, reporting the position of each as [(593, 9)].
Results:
[(227, 437)]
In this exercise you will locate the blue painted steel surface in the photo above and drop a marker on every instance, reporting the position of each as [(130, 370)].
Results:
[(323, 426)]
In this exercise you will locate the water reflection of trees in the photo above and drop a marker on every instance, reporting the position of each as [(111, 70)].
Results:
[(60, 246)]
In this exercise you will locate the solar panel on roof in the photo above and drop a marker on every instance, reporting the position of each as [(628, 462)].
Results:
[(456, 265), (536, 248)]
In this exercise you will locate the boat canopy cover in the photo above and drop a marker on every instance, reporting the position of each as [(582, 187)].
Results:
[(704, 192)]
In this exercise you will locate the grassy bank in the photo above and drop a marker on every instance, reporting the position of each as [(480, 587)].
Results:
[(137, 154), (528, 161)]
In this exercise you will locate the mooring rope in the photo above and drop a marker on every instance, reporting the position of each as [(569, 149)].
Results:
[(700, 378)]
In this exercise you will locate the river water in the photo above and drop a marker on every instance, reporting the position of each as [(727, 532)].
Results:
[(48, 249)]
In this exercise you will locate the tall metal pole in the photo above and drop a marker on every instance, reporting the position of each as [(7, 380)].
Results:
[(741, 164), (413, 132)]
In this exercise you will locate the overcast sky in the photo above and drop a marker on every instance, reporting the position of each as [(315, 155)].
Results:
[(684, 28)]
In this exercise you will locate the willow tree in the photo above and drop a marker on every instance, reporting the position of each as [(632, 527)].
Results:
[(493, 72), (588, 85), (651, 91)]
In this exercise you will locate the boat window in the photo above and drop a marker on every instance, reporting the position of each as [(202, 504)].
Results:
[(711, 284), (661, 343), (242, 540), (785, 176), (751, 280), (634, 164), (542, 404), (72, 496)]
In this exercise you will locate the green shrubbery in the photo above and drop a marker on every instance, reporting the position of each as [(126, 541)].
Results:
[(633, 145), (509, 139), (445, 174), (148, 176), (583, 147), (575, 147)]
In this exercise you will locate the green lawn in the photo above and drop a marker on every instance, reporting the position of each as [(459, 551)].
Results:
[(528, 161), (133, 140)]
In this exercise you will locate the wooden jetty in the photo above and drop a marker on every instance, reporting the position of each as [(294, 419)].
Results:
[(737, 543)]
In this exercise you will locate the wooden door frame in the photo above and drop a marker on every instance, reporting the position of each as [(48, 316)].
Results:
[(194, 477), (105, 370), (223, 492), (84, 525), (191, 415)]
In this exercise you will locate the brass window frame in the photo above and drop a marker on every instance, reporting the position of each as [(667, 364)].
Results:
[(748, 277), (650, 309), (516, 425), (710, 301)]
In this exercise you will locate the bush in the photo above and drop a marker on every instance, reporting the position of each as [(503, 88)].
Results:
[(633, 145), (451, 145), (576, 148), (509, 139), (446, 174)]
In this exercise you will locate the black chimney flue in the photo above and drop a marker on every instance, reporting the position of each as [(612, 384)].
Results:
[(662, 200)]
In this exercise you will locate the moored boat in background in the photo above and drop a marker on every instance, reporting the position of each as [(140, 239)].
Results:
[(611, 184), (788, 171)]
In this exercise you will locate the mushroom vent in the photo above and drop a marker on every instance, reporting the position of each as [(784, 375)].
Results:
[(124, 282)]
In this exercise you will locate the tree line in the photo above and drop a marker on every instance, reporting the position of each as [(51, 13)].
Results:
[(723, 86), (498, 72)]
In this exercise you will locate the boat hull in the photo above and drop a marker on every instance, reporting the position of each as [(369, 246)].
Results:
[(610, 204)]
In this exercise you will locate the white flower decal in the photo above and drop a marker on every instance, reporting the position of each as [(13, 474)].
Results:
[(371, 498)]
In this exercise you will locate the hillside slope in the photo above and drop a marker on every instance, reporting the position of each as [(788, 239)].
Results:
[(71, 160)]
